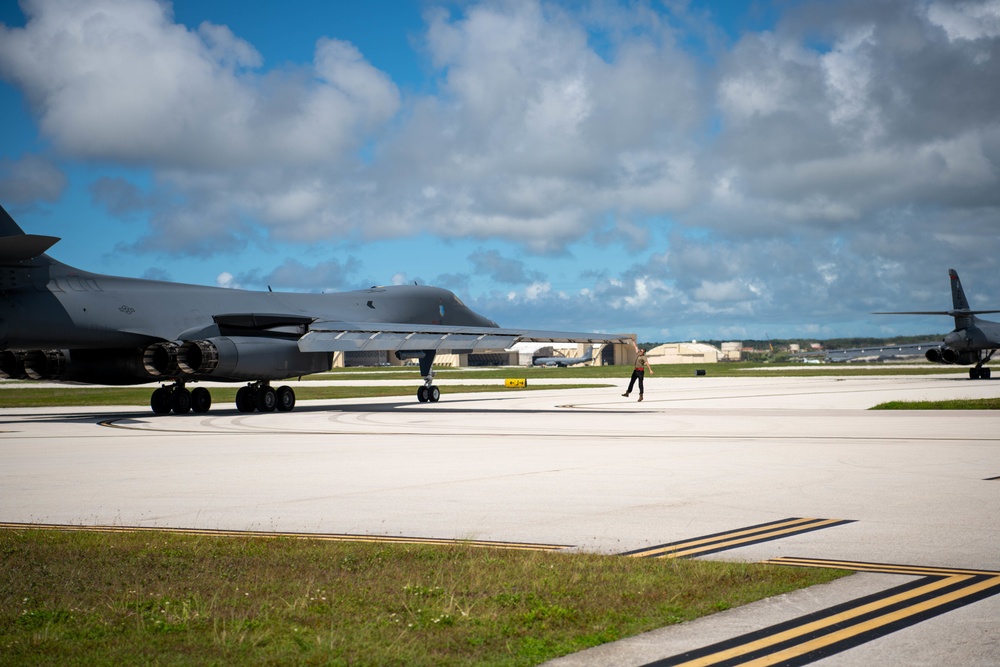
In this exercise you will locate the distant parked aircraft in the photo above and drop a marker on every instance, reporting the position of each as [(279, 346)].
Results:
[(562, 362)]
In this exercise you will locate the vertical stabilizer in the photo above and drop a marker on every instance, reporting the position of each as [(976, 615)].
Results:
[(959, 302), (7, 225)]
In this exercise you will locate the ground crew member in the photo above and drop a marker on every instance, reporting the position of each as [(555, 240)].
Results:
[(641, 366)]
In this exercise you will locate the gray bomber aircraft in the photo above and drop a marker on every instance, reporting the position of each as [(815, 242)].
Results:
[(59, 323), (973, 341)]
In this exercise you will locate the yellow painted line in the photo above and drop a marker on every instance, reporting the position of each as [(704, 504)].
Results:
[(721, 537), (727, 542), (329, 537), (875, 623), (808, 628)]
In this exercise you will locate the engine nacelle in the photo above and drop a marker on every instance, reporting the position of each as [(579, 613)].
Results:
[(249, 358), (934, 355), (950, 356)]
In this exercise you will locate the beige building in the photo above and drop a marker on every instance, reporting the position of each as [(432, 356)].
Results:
[(684, 353)]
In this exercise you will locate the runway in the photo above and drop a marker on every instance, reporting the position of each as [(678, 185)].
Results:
[(588, 469)]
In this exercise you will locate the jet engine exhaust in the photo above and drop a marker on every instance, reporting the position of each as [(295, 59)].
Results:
[(933, 355), (160, 359), (12, 365), (198, 357), (44, 364)]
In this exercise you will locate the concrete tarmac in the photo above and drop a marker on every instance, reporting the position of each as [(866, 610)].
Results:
[(588, 469)]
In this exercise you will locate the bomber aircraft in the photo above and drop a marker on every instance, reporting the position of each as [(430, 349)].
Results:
[(973, 341), (59, 323)]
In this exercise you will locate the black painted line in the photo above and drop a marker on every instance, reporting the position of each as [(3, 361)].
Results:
[(885, 568), (733, 539)]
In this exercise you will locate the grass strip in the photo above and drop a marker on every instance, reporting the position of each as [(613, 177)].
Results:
[(88, 598), (955, 404), (38, 397)]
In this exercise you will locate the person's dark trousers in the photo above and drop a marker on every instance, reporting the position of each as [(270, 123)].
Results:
[(636, 374)]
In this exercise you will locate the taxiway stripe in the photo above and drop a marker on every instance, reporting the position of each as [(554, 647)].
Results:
[(330, 537), (735, 538), (840, 627), (861, 566)]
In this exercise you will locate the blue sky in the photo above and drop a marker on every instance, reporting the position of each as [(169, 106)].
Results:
[(683, 170)]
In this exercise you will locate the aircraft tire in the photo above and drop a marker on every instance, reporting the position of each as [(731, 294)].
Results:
[(434, 395), (984, 373), (422, 394), (160, 401), (267, 399), (245, 400), (201, 399), (180, 401), (286, 399)]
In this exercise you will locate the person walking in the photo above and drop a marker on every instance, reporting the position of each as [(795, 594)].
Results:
[(641, 366)]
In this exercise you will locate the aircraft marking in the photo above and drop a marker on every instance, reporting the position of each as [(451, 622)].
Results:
[(733, 539), (328, 537)]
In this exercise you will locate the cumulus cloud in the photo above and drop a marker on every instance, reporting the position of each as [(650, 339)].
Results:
[(120, 80), (30, 179)]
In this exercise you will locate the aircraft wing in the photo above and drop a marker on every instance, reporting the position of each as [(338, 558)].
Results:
[(355, 337), (881, 351)]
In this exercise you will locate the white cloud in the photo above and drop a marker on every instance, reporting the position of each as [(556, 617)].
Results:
[(119, 80)]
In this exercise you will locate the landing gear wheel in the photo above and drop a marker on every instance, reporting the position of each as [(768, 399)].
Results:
[(267, 399), (423, 395), (434, 395), (160, 401), (180, 401), (286, 399), (201, 399), (246, 399), (984, 373)]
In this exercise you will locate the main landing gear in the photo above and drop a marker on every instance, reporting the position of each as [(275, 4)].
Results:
[(980, 371), (257, 396), (428, 393), (261, 397), (178, 399)]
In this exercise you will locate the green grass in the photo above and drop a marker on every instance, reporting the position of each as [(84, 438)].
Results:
[(35, 397), (86, 598), (956, 404)]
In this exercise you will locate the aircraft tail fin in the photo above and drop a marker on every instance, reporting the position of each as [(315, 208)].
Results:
[(958, 300), (15, 245), (7, 225)]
